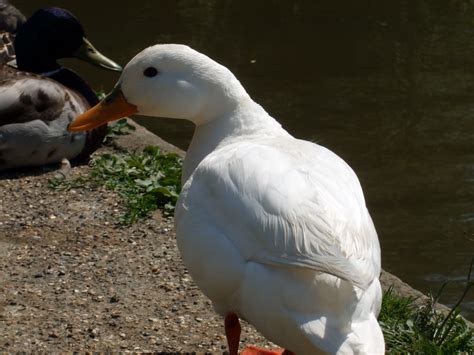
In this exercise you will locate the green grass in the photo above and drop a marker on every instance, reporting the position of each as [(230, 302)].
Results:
[(145, 181), (412, 329)]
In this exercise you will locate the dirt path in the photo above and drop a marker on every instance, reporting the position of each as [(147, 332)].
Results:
[(72, 279)]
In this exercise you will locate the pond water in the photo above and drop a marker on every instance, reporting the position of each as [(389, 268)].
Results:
[(389, 86)]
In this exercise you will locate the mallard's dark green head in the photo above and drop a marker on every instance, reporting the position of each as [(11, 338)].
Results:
[(51, 34)]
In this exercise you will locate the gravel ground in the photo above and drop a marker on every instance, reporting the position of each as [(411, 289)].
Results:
[(71, 279)]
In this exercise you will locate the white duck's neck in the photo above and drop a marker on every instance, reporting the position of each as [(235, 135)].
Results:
[(244, 120)]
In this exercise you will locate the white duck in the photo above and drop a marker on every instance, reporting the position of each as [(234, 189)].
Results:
[(274, 230)]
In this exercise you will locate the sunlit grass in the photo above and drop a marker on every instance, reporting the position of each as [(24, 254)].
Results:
[(412, 329), (145, 181)]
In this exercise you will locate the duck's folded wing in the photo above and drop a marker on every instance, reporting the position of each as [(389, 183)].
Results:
[(27, 97), (299, 205), (7, 50)]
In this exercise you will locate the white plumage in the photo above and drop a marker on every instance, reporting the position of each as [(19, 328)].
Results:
[(272, 228), (276, 230)]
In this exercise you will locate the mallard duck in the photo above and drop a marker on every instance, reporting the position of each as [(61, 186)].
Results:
[(7, 50), (273, 229), (10, 17), (10, 20), (40, 98)]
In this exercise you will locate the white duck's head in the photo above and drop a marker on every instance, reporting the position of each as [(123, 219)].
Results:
[(168, 80)]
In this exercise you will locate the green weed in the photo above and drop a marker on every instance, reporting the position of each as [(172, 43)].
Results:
[(409, 328), (119, 128), (145, 181)]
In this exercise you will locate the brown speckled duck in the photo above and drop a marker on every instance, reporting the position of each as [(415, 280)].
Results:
[(10, 17), (10, 21), (40, 98)]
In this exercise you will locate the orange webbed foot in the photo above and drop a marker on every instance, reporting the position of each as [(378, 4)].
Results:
[(255, 350), (232, 332)]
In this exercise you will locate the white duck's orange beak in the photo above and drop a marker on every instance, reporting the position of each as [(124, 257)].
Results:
[(111, 108)]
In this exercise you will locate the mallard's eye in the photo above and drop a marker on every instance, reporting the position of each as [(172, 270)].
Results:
[(150, 72)]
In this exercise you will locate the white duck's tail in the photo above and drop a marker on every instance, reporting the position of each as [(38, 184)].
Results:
[(366, 336)]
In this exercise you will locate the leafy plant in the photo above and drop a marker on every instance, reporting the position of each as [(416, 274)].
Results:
[(145, 181), (101, 94), (119, 128), (409, 328), (59, 183)]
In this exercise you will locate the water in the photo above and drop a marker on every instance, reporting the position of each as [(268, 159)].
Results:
[(389, 86)]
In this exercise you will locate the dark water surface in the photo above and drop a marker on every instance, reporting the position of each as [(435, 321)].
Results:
[(388, 85)]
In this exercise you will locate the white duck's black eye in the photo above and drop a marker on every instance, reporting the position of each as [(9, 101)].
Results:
[(150, 72)]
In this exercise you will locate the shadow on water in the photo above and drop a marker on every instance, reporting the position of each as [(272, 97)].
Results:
[(387, 85)]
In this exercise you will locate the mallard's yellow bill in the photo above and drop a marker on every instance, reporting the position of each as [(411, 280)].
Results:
[(113, 107), (89, 53)]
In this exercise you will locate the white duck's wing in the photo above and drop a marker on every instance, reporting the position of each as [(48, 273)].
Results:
[(289, 203)]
